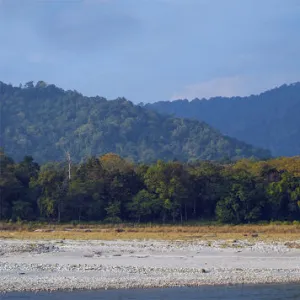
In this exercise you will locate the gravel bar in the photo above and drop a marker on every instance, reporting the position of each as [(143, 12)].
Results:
[(81, 265)]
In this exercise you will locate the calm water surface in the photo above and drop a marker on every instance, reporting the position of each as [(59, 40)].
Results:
[(266, 292)]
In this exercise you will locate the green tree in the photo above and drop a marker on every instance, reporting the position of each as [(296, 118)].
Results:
[(113, 212), (48, 186), (169, 183), (284, 196), (244, 201), (142, 205), (10, 186)]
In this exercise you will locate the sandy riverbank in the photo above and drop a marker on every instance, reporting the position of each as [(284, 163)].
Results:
[(67, 265)]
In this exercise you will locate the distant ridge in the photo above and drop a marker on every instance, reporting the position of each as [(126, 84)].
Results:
[(270, 120)]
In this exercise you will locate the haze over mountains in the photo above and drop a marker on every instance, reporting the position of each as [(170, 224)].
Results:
[(270, 120), (43, 121)]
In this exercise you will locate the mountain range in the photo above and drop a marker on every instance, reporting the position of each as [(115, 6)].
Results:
[(44, 121)]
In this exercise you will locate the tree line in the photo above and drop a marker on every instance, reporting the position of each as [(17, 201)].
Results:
[(112, 189)]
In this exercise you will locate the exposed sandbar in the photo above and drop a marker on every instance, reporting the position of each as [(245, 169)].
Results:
[(68, 265)]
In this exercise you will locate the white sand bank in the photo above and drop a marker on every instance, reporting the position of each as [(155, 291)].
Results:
[(54, 265)]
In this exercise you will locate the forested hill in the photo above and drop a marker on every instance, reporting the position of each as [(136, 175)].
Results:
[(269, 120), (43, 121)]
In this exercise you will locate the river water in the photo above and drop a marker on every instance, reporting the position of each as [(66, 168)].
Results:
[(255, 292)]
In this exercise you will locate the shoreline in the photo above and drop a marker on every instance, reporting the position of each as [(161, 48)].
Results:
[(36, 266), (113, 288), (73, 287), (77, 290)]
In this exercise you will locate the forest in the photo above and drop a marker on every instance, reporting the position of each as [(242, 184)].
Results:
[(44, 121), (112, 189), (269, 120)]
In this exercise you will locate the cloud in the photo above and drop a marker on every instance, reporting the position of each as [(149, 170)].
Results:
[(224, 86), (239, 85)]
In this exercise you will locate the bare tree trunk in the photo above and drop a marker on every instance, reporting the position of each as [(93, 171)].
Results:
[(69, 164), (59, 211), (194, 208), (79, 214), (1, 208)]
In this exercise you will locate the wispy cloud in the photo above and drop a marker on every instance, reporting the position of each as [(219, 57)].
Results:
[(225, 86), (239, 85)]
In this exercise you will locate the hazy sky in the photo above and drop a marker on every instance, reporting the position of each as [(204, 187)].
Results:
[(151, 50)]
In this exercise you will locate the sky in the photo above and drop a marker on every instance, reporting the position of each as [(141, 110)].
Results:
[(151, 50)]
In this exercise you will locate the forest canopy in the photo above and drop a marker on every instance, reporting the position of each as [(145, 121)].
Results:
[(111, 189), (44, 121)]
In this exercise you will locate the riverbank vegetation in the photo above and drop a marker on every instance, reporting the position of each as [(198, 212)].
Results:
[(110, 189)]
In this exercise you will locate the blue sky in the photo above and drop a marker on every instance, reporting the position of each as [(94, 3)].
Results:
[(151, 50)]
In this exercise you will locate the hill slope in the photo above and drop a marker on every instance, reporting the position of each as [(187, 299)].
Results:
[(42, 120), (270, 120)]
